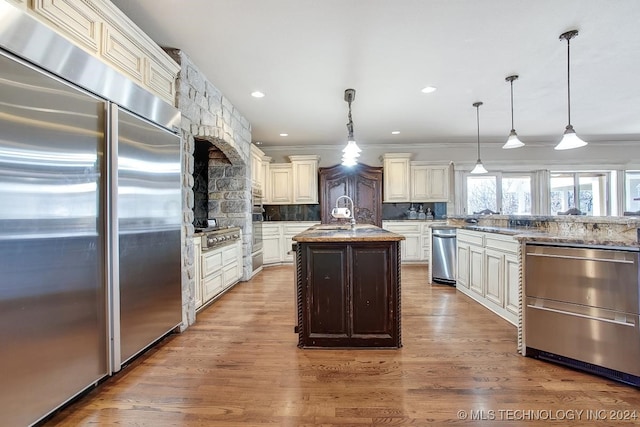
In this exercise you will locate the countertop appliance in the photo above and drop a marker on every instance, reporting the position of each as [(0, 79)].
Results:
[(90, 219), (443, 254), (216, 237), (581, 308)]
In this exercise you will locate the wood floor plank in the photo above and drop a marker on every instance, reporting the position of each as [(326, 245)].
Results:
[(239, 366)]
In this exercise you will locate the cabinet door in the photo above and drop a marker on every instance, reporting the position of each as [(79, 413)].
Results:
[(439, 183), (256, 169), (494, 268), (396, 179), (326, 293), (280, 184), (197, 275), (372, 293), (476, 261), (271, 249), (76, 18), (305, 181), (420, 186), (367, 190), (512, 284), (462, 277), (412, 251), (212, 285)]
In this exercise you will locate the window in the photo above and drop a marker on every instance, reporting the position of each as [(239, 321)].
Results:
[(516, 194), (507, 193), (586, 191), (632, 191), (481, 193)]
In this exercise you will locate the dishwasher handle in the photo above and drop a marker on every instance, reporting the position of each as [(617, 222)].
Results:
[(444, 236)]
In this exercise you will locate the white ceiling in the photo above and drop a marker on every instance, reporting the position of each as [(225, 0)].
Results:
[(303, 54)]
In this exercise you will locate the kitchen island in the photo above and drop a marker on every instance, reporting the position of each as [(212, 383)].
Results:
[(348, 287)]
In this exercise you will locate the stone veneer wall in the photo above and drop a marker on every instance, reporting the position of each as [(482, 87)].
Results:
[(208, 116)]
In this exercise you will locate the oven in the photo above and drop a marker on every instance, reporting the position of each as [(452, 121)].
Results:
[(257, 216)]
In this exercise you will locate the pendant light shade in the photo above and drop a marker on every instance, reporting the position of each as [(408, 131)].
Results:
[(513, 141), (570, 139), (351, 152), (479, 167)]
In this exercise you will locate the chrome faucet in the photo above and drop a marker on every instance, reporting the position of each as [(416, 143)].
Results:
[(338, 212)]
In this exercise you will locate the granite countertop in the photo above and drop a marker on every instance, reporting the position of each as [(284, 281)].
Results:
[(532, 235), (344, 233)]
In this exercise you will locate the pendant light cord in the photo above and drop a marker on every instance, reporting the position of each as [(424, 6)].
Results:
[(569, 80), (478, 121), (512, 128), (350, 124)]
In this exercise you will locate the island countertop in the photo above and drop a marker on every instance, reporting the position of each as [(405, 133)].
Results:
[(344, 233)]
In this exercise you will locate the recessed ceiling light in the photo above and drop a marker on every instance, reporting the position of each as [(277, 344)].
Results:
[(429, 89), (284, 134), (395, 132), (257, 94), (258, 142)]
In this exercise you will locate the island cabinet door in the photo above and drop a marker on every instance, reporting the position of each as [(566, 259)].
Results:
[(373, 294), (326, 310)]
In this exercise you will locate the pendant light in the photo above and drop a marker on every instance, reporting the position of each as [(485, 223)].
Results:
[(513, 141), (479, 168), (569, 139), (351, 152)]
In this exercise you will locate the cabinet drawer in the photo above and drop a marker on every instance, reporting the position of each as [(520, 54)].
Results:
[(211, 262), (212, 286), (296, 228), (501, 243), (414, 228), (230, 274), (229, 254), (270, 229), (471, 237)]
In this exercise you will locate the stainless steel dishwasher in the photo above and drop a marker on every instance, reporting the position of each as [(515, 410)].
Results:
[(582, 308), (443, 254)]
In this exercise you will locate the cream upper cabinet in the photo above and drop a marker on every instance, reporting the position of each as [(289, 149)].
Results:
[(280, 184), (257, 175), (430, 183), (407, 181), (100, 28), (305, 179), (290, 183), (396, 175)]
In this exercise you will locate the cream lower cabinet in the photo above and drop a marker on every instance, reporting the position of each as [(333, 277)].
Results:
[(410, 248), (277, 240), (220, 268), (462, 273), (197, 275), (489, 271), (271, 243)]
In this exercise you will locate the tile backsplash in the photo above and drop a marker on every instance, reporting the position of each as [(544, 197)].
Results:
[(400, 211)]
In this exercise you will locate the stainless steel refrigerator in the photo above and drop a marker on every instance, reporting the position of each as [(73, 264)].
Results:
[(90, 220)]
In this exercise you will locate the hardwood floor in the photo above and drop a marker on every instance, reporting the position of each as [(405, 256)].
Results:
[(239, 366)]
